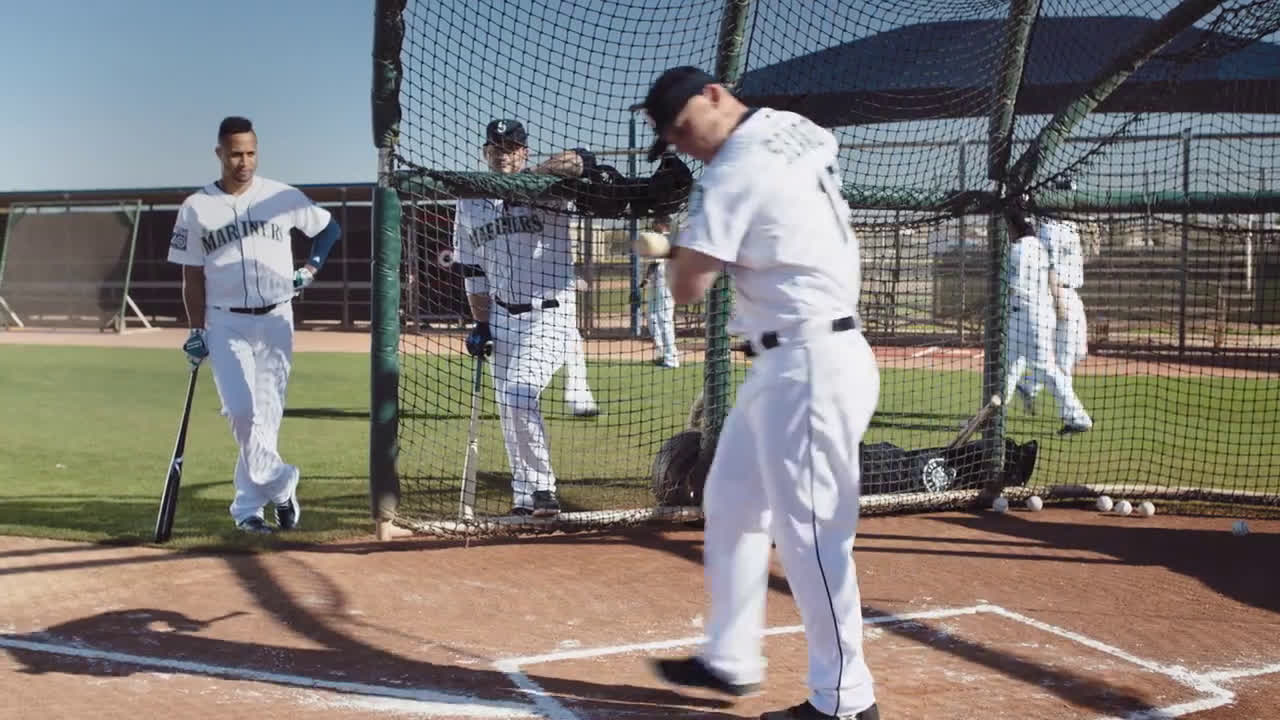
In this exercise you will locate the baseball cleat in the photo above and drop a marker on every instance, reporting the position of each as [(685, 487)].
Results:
[(254, 525), (1074, 429), (805, 711), (584, 411), (692, 672), (521, 511), (289, 512), (545, 503), (1028, 402)]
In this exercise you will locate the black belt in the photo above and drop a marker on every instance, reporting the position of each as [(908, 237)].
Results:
[(770, 339), (521, 308), (255, 310)]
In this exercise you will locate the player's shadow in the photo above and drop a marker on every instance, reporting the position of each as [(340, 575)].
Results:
[(98, 645), (1227, 564)]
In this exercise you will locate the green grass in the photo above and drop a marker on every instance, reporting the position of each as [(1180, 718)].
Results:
[(87, 434)]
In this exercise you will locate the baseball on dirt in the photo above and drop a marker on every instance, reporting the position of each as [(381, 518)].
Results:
[(1104, 503), (1146, 508), (1000, 504), (1124, 507), (1035, 504), (1240, 527), (652, 244)]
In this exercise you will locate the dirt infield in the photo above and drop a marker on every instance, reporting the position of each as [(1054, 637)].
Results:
[(1059, 614), (641, 349)]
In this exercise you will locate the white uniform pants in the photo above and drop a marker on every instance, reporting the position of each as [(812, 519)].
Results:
[(786, 469), (527, 350), (1030, 347), (662, 323), (251, 357), (1070, 338)]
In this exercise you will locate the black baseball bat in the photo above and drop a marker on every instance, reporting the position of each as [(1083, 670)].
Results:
[(975, 422), (169, 499)]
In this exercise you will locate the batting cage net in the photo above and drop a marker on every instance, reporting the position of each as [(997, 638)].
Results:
[(68, 266), (512, 168)]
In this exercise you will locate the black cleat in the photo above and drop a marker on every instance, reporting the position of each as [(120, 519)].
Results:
[(289, 512), (545, 503), (692, 672), (521, 511), (1073, 429), (805, 711), (254, 525)]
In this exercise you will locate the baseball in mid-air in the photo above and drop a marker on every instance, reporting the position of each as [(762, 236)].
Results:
[(1124, 507), (1104, 503), (652, 244), (1146, 508), (1240, 527), (1035, 504), (1000, 504)]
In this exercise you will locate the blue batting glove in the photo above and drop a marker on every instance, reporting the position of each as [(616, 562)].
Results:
[(195, 347), (480, 341)]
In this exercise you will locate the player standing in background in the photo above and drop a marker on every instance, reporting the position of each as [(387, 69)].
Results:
[(1032, 320), (232, 239), (769, 209), (661, 306), (1061, 240), (517, 263)]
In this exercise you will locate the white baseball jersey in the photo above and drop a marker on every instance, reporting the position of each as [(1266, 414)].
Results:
[(789, 243), (1029, 274), (1062, 241), (525, 251), (243, 241)]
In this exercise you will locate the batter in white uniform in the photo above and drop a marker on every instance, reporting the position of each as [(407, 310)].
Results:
[(517, 263), (661, 306), (1032, 323), (769, 210), (1061, 240), (232, 239)]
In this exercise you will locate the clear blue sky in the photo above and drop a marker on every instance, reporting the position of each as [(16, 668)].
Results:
[(129, 93)]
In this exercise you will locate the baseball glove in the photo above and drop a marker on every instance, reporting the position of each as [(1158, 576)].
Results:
[(679, 471)]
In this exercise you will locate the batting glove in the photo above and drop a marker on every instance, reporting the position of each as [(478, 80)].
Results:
[(195, 347), (480, 341), (302, 278)]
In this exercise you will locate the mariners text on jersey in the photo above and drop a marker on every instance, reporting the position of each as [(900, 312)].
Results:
[(214, 239), (506, 225)]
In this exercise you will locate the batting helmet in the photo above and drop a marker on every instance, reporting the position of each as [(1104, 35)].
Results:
[(679, 472)]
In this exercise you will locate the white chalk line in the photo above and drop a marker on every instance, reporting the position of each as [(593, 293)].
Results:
[(926, 351), (1238, 674), (411, 699)]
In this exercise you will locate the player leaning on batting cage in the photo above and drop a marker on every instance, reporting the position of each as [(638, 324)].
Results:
[(517, 264), (238, 278), (1032, 322), (769, 210)]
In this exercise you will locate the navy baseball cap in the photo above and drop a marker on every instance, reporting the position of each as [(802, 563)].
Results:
[(667, 97), (506, 134)]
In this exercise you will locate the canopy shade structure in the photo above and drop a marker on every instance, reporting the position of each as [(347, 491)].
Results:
[(947, 70)]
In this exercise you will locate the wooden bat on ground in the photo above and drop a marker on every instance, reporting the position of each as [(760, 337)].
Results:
[(169, 498), (467, 501), (975, 422)]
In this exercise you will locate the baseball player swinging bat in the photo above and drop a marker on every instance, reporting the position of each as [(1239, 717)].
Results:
[(466, 503), (975, 422), (169, 498)]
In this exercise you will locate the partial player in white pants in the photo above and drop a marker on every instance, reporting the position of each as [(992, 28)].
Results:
[(251, 358), (577, 392), (786, 471), (661, 307)]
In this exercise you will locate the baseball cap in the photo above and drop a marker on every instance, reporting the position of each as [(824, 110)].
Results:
[(506, 133), (667, 97)]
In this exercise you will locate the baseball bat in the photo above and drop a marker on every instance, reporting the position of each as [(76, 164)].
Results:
[(975, 422), (467, 501), (169, 498)]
